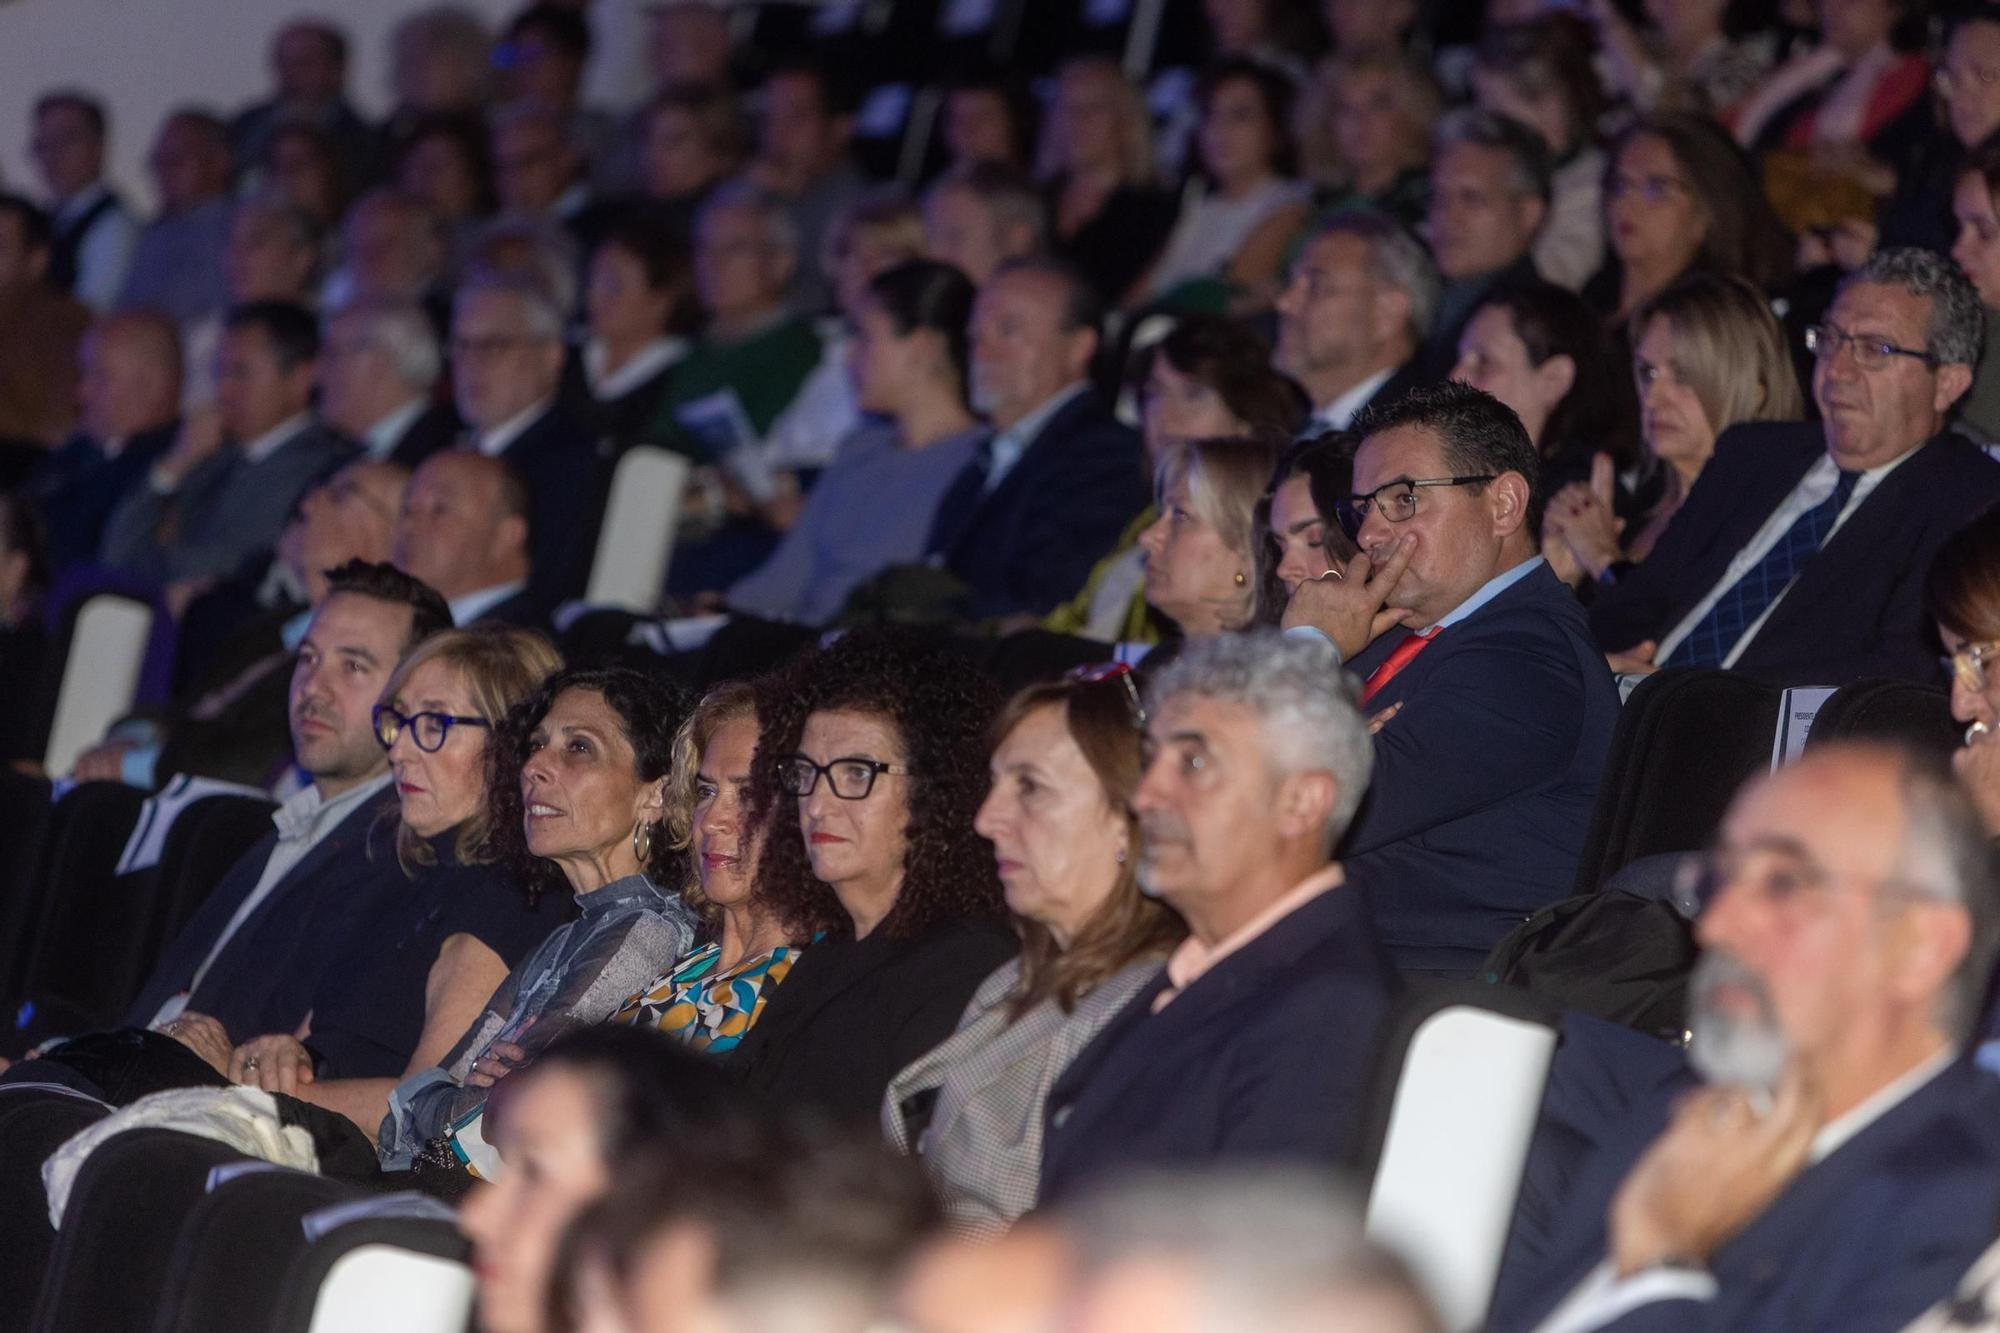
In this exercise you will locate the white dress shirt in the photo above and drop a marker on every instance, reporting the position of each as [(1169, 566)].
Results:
[(468, 607), (1340, 413), (380, 440), (493, 443)]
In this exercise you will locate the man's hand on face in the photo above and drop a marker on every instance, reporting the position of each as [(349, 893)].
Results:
[(1350, 606)]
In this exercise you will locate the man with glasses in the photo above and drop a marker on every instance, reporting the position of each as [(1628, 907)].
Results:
[(1842, 1167), (1499, 709), (1800, 554)]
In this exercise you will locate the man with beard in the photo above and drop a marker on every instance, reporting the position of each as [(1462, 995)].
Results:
[(1253, 1042), (1841, 1166)]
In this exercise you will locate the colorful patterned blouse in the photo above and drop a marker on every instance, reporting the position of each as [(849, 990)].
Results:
[(704, 1008)]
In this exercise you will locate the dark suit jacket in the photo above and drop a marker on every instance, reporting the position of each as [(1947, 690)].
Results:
[(1484, 784), (1032, 542), (264, 978), (852, 1013), (1863, 1241), (1856, 609), (558, 460), (1262, 1058), (436, 429), (77, 489)]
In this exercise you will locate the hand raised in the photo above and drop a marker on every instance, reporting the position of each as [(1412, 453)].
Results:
[(1350, 606)]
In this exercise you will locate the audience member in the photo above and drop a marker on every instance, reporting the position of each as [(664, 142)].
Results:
[(392, 248), (1201, 552), (638, 305), (541, 59), (1366, 130), (1107, 214), (1255, 762), (1685, 59), (539, 169), (24, 643), (1508, 710), (301, 165), (1828, 1027), (979, 216), (1294, 540), (221, 494), (577, 797), (805, 126), (1489, 197), (1959, 600), (690, 44), (438, 66), (692, 141), (908, 359), (444, 163), (1977, 250), (94, 230), (41, 329), (1229, 248), (1800, 553), (536, 251), (1968, 114), (1065, 763), (309, 87), (463, 529), (1838, 95), (985, 118), (1018, 538), (867, 777), (1359, 303), (379, 365), (1709, 355), (176, 264)]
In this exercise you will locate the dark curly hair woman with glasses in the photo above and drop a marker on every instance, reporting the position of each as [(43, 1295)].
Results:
[(869, 772)]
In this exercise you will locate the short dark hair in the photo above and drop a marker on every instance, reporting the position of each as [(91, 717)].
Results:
[(293, 331), (924, 294), (1527, 151), (561, 27), (35, 230), (1082, 307), (75, 99), (663, 258), (1600, 413), (838, 93), (1275, 93), (385, 583), (1479, 433), (1232, 359)]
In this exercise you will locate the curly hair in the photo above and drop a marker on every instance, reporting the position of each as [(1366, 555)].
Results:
[(940, 707), (649, 710)]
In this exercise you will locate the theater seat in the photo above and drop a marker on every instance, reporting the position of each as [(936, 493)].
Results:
[(237, 1246), (637, 535), (77, 965), (399, 1284), (100, 678), (1457, 1090), (34, 1122), (1917, 716)]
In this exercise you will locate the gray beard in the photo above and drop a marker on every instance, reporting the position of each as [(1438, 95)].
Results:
[(1732, 1049)]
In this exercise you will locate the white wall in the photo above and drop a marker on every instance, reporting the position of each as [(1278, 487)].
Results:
[(144, 57)]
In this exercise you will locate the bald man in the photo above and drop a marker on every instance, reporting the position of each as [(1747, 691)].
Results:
[(128, 388), (464, 531)]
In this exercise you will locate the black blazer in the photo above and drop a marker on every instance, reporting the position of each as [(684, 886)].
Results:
[(558, 461), (1057, 512), (1484, 784), (1262, 1058), (436, 429), (77, 488), (1856, 609), (851, 1013)]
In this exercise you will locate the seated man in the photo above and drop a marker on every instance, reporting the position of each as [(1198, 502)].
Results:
[(1486, 777), (1799, 555), (379, 364), (979, 216), (1254, 1042), (222, 494), (176, 267), (41, 327), (1357, 306), (1490, 184), (463, 530), (1842, 1167)]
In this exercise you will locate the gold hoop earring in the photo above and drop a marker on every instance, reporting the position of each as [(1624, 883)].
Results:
[(642, 843)]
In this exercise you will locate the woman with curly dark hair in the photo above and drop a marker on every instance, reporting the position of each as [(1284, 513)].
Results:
[(870, 770), (577, 784)]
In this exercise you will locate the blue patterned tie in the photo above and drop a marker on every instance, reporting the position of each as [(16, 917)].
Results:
[(1750, 596)]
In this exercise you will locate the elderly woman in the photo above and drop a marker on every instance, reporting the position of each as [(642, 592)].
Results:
[(1962, 597), (638, 300), (1710, 355), (868, 776), (398, 999), (578, 794), (1065, 762), (1201, 553)]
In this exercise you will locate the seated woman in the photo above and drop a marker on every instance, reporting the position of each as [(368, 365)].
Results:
[(1065, 763), (1710, 355), (578, 797), (638, 301), (1201, 553), (867, 778), (1962, 597), (1210, 377), (1977, 251), (909, 367), (1228, 251), (564, 1129), (396, 1002), (1107, 214), (1369, 131), (692, 142), (1297, 543)]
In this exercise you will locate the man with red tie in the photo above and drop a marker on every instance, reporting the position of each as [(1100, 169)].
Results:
[(1499, 708)]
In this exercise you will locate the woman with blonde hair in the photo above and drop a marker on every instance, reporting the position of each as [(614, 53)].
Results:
[(1107, 214), (1201, 553)]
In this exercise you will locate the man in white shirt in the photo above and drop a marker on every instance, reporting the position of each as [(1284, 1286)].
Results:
[(464, 531), (1359, 302), (1842, 1167), (378, 363), (94, 231)]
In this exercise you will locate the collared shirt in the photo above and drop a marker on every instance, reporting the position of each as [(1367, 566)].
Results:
[(645, 363), (1813, 490), (381, 439), (276, 438), (1603, 1297), (302, 822), (468, 607), (104, 252), (496, 442), (1193, 960), (1488, 590), (1340, 413), (1006, 448)]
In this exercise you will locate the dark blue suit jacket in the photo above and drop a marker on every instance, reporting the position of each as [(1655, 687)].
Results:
[(264, 978), (1856, 609), (1057, 512), (77, 489), (557, 460), (1264, 1058), (1861, 1242), (1484, 783)]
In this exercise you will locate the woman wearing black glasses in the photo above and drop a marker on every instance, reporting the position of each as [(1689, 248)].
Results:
[(867, 779), (396, 1003)]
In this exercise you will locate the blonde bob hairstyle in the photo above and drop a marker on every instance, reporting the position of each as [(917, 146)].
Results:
[(500, 666), (731, 701), (1226, 477), (1728, 347)]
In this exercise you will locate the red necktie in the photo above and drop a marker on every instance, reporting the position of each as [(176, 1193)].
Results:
[(1405, 653)]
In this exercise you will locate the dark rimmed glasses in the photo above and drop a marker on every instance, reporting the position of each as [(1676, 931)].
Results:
[(1824, 341), (428, 730), (1395, 500), (850, 778), (1097, 673)]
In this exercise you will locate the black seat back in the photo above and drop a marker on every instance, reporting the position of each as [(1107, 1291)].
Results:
[(34, 1122), (1915, 716)]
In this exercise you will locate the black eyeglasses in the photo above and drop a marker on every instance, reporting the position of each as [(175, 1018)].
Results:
[(1097, 673), (1824, 341), (851, 778), (1396, 501), (428, 730)]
